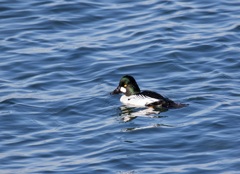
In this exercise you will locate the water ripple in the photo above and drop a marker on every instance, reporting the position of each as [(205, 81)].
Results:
[(60, 60)]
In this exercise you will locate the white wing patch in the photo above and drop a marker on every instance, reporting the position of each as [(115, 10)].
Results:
[(137, 100)]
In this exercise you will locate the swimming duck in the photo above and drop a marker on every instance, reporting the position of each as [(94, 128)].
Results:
[(134, 97)]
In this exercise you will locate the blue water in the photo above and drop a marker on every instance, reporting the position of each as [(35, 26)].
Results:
[(61, 59)]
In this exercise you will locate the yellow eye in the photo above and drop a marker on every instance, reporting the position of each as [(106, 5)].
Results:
[(125, 86)]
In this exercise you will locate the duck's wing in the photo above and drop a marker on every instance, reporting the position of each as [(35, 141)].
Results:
[(153, 95), (163, 101)]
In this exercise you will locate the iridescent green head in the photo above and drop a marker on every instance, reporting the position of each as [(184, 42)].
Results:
[(127, 85)]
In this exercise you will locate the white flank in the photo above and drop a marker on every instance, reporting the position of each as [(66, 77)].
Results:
[(137, 100)]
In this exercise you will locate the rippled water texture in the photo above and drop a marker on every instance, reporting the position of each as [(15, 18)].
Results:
[(61, 59)]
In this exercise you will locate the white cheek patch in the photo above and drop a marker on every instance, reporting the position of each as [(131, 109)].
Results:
[(123, 90)]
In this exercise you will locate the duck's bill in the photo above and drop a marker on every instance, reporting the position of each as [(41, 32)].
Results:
[(116, 91)]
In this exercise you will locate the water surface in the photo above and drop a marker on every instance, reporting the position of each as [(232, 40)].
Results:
[(60, 60)]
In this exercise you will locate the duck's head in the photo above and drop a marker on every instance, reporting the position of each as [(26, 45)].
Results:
[(127, 86)]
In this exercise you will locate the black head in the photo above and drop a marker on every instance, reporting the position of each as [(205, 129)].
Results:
[(127, 85)]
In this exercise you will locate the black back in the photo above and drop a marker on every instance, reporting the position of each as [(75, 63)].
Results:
[(163, 102)]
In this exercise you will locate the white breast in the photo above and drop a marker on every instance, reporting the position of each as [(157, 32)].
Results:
[(137, 100)]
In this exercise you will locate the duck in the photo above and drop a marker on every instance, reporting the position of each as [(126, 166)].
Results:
[(134, 97)]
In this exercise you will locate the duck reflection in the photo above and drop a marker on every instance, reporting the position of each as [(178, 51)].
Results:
[(127, 114)]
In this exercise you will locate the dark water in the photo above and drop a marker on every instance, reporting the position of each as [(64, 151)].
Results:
[(60, 59)]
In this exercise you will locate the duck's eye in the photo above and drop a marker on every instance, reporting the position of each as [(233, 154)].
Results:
[(125, 86)]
